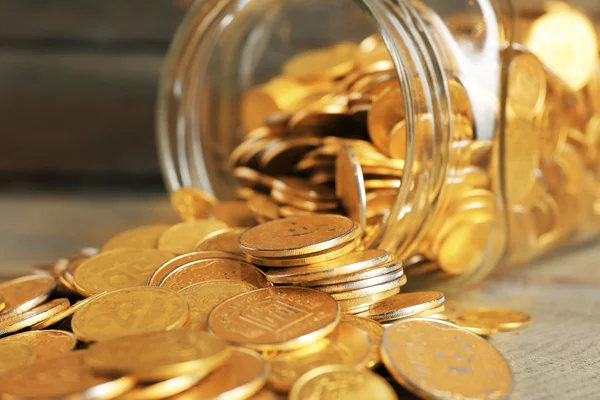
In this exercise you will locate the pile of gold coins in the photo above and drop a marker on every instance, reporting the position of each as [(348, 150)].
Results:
[(207, 309)]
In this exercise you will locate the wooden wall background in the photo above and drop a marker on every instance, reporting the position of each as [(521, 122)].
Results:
[(78, 85)]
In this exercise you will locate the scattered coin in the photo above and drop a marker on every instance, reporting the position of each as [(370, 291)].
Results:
[(118, 269), (162, 389), (452, 362), (14, 354), (24, 293), (501, 319), (296, 236), (214, 269), (191, 204), (128, 312), (15, 322), (275, 318), (350, 186), (143, 237), (61, 377), (45, 344), (158, 356), (347, 344), (341, 381), (404, 305), (182, 238), (375, 331), (242, 375), (223, 240), (234, 213), (202, 297)]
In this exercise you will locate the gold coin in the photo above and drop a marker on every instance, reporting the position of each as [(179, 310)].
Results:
[(282, 318), (344, 265), (301, 188), (369, 273), (65, 377), (118, 269), (24, 293), (386, 112), (350, 186), (15, 322), (297, 236), (243, 375), (446, 361), (347, 344), (333, 62), (397, 137), (143, 237), (363, 283), (2, 303), (163, 389), (158, 356), (291, 211), (371, 290), (265, 394), (224, 240), (404, 305), (378, 184), (526, 84), (504, 319), (477, 327), (253, 178), (204, 296), (341, 382), (128, 312), (56, 318), (171, 265), (234, 213), (264, 208), (375, 331), (566, 42), (303, 204), (213, 269), (45, 344), (361, 304), (279, 156), (181, 238), (13, 354), (319, 257), (191, 204)]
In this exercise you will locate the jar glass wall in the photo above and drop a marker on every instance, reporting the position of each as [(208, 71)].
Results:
[(474, 140)]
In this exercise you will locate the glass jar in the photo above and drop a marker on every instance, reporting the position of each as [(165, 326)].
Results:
[(489, 111)]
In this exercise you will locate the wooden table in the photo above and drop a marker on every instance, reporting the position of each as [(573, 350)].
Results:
[(557, 357)]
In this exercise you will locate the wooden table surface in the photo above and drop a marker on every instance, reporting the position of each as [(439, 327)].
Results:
[(557, 357)]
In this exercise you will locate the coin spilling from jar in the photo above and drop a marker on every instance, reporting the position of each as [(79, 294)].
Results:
[(291, 307)]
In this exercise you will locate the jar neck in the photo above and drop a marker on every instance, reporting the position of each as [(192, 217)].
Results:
[(421, 72)]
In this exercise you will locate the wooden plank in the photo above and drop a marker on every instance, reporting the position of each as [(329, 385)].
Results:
[(89, 19), (70, 112)]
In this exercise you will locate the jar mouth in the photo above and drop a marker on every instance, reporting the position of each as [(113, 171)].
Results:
[(189, 121)]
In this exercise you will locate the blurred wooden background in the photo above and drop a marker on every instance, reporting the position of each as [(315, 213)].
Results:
[(78, 85)]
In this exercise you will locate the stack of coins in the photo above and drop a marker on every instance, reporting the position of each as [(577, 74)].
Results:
[(153, 316)]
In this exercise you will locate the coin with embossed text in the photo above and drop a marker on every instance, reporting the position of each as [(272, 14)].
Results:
[(118, 269), (341, 382), (128, 312), (438, 359), (280, 318), (202, 297)]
